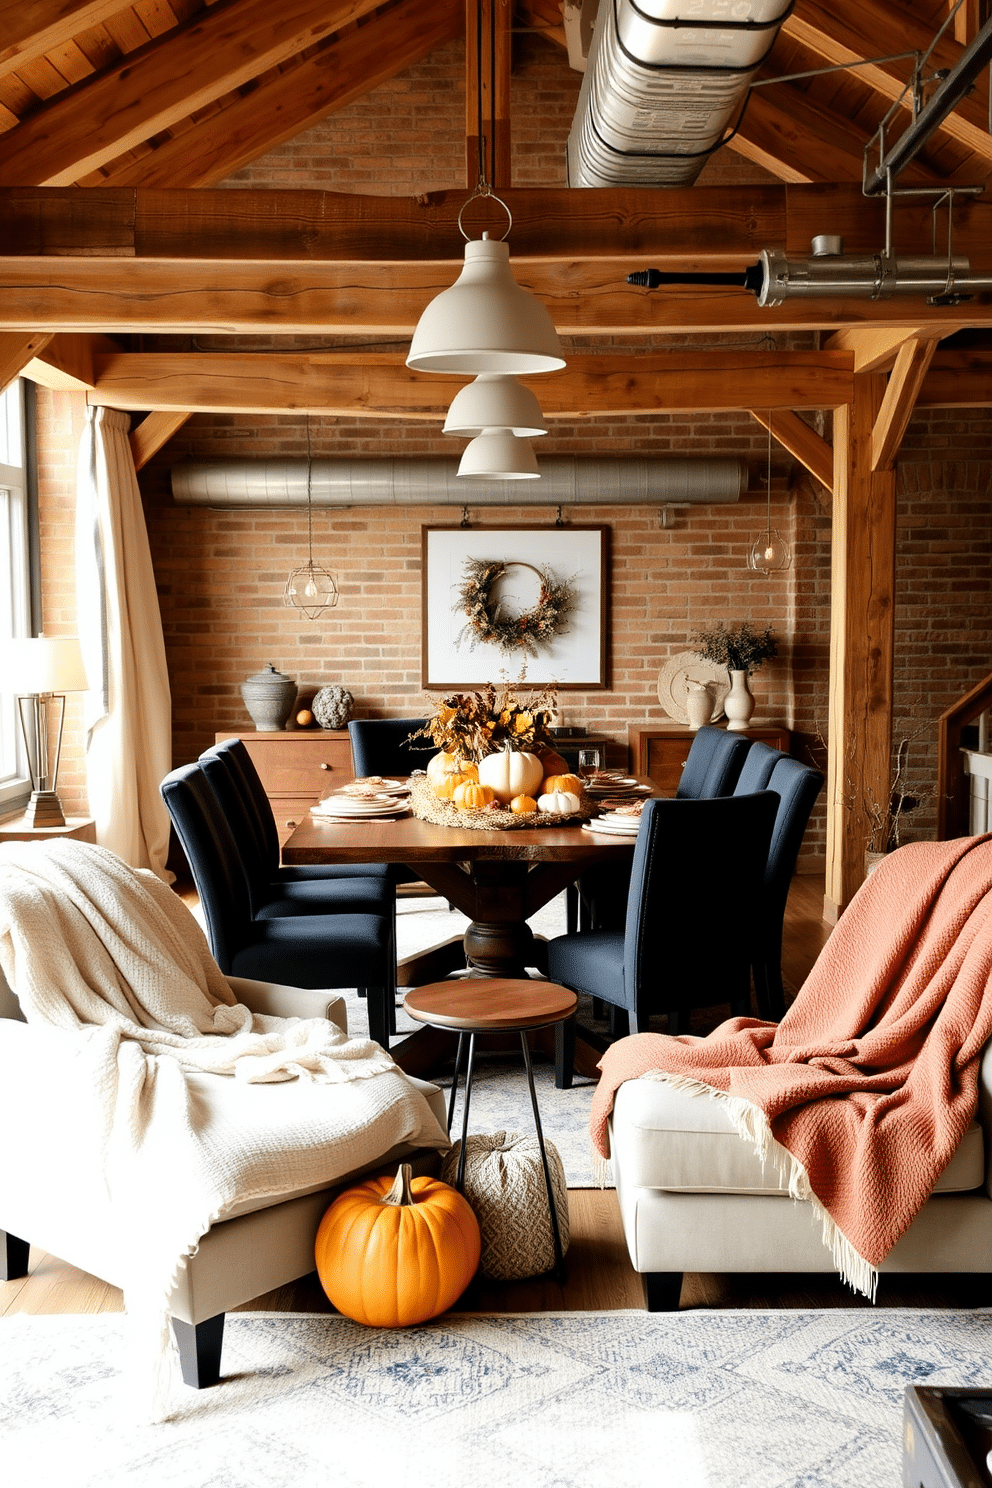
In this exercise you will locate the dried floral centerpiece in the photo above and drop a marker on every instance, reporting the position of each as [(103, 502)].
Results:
[(740, 648), (496, 766), (484, 618)]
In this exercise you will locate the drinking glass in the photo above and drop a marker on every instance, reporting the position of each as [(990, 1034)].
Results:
[(590, 762)]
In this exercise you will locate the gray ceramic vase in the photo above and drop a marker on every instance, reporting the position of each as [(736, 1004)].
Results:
[(269, 697)]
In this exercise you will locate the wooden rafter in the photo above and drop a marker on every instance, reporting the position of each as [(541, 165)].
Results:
[(905, 381), (352, 384), (874, 348), (30, 28), (218, 50), (958, 379), (808, 447), (844, 33), (284, 102)]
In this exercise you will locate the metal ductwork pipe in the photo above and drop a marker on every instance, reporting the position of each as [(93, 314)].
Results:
[(565, 481), (664, 80)]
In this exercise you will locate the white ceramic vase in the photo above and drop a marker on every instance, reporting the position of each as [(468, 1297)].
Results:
[(698, 703), (739, 703)]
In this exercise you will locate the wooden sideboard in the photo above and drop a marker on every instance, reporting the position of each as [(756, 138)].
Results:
[(660, 750), (297, 767)]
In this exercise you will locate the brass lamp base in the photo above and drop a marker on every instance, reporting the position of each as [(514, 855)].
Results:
[(44, 809)]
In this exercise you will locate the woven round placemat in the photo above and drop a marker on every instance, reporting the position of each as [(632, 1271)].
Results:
[(504, 1183), (430, 808)]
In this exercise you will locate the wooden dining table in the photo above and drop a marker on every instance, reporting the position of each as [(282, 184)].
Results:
[(499, 879)]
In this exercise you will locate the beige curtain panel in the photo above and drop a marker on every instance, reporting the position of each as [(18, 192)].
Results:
[(128, 712)]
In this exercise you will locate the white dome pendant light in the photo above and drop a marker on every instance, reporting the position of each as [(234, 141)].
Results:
[(485, 322), (497, 454), (495, 401)]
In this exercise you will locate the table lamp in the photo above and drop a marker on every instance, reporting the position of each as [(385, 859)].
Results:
[(40, 670)]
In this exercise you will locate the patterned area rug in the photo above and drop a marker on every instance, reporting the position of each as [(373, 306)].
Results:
[(566, 1400)]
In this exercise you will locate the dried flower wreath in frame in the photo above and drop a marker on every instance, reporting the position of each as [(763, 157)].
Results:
[(526, 632)]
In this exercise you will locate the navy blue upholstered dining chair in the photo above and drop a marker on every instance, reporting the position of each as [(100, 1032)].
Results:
[(342, 949), (797, 786), (379, 746), (693, 923)]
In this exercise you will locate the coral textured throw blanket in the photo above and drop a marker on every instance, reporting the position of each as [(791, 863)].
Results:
[(864, 1090)]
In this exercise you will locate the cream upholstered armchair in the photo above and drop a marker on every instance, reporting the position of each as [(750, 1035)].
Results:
[(245, 1253), (694, 1197)]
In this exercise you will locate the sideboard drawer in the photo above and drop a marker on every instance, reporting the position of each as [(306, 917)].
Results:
[(300, 764)]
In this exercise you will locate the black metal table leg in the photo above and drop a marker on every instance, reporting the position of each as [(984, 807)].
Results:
[(559, 1270), (460, 1179), (454, 1080)]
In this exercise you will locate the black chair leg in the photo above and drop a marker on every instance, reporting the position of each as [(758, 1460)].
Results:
[(564, 1054), (571, 909), (13, 1256), (199, 1350), (381, 1009), (662, 1290)]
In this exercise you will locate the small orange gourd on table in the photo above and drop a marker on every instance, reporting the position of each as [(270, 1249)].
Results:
[(471, 796), (393, 1253)]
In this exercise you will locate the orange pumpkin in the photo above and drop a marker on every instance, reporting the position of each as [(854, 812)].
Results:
[(442, 764), (570, 783), (446, 785), (552, 763), (523, 805), (392, 1255), (471, 796)]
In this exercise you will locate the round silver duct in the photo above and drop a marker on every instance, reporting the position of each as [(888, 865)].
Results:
[(565, 481)]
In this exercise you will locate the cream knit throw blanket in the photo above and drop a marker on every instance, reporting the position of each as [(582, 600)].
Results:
[(117, 972), (862, 1093)]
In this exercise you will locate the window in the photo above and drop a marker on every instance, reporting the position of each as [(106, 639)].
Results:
[(15, 588)]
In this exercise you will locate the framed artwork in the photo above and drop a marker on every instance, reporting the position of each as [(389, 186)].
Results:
[(497, 598)]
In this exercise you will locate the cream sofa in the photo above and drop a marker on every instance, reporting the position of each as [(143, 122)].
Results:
[(239, 1258), (693, 1197)]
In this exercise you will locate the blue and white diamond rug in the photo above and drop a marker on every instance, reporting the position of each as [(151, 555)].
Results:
[(553, 1400)]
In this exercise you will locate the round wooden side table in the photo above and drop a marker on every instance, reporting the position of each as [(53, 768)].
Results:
[(471, 1005)]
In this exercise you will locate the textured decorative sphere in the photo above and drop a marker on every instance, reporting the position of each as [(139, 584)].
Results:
[(332, 707)]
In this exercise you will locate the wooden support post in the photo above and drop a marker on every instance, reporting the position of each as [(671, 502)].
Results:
[(487, 90), (861, 643)]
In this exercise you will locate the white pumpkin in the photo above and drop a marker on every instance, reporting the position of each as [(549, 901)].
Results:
[(564, 803), (511, 772)]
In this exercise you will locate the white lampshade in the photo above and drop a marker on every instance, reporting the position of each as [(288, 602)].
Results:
[(485, 322), (493, 401), (43, 664), (497, 454)]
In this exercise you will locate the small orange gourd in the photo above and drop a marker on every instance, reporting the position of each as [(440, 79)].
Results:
[(570, 783), (442, 764), (523, 805), (471, 796), (391, 1253), (446, 785)]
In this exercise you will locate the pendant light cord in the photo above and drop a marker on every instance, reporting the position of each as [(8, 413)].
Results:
[(309, 497), (768, 487)]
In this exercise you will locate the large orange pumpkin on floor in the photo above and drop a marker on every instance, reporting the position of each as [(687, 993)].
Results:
[(391, 1253)]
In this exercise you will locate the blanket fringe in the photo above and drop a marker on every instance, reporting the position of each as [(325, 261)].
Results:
[(752, 1125)]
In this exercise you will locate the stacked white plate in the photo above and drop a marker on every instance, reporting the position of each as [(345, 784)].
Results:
[(375, 783), (621, 785), (359, 808), (614, 825)]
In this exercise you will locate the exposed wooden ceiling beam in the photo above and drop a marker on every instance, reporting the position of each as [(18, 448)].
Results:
[(150, 435), (799, 141), (16, 350), (892, 419), (221, 48), (958, 379), (67, 362), (284, 102), (844, 33), (388, 299), (809, 448), (716, 227), (32, 27), (379, 385)]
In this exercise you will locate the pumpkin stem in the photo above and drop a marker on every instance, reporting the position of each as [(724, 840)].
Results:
[(401, 1192)]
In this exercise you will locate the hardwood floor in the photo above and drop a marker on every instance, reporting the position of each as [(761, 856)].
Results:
[(599, 1272)]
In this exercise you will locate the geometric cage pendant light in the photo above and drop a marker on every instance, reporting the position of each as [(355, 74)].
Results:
[(310, 589), (769, 553)]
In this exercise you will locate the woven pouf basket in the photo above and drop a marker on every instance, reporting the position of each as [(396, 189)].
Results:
[(504, 1183)]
